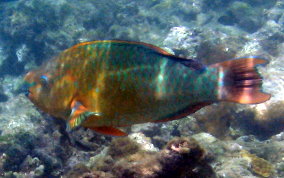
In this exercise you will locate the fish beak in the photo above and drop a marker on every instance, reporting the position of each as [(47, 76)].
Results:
[(27, 83), (27, 93), (25, 88)]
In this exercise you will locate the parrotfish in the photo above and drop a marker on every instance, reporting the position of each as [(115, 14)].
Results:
[(103, 85)]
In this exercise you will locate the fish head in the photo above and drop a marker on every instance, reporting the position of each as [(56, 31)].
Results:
[(51, 92), (39, 87)]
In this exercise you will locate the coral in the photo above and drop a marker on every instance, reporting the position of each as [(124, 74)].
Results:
[(258, 165)]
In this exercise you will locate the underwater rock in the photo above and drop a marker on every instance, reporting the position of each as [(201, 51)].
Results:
[(89, 140), (148, 129), (77, 171), (218, 46), (22, 52), (182, 157), (97, 174), (183, 41), (262, 3), (247, 17), (40, 143), (258, 165), (234, 168), (30, 164), (13, 162), (16, 118), (122, 147), (247, 157), (188, 126), (143, 141), (216, 119), (262, 120), (279, 137), (11, 86), (271, 38), (190, 8), (159, 133), (2, 54), (214, 147), (260, 156), (207, 45), (3, 97)]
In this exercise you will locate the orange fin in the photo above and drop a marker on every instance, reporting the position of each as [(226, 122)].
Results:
[(108, 131), (155, 48), (77, 108), (240, 82), (78, 115), (184, 113)]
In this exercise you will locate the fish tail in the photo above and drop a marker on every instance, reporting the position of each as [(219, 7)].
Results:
[(240, 82)]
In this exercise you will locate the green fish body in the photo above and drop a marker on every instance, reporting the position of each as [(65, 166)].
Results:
[(107, 84)]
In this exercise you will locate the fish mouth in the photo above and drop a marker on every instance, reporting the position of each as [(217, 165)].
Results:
[(26, 88), (27, 93)]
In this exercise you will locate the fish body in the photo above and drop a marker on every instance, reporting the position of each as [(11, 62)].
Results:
[(107, 84)]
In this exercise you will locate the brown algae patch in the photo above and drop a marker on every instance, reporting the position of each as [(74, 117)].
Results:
[(258, 165)]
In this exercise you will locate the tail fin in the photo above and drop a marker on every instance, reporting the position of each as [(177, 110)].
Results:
[(240, 82)]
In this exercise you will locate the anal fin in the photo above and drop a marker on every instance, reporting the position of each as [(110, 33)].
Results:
[(108, 131)]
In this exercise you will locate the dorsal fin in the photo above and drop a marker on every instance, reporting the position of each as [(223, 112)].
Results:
[(187, 62), (150, 46)]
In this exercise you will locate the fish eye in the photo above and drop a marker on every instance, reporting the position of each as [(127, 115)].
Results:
[(44, 80)]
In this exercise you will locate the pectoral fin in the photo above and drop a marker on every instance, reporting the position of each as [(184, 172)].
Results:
[(78, 115), (108, 131)]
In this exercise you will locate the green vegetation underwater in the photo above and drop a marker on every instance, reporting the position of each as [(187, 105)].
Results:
[(141, 89)]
